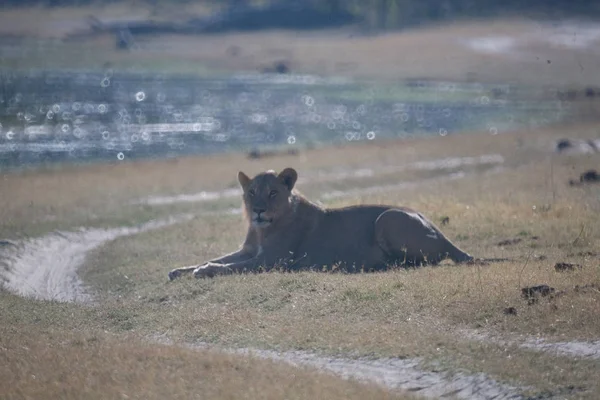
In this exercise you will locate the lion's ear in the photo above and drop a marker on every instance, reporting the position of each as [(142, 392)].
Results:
[(288, 177), (244, 180)]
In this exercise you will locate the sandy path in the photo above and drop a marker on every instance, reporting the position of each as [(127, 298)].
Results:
[(393, 373), (46, 267), (575, 348), (404, 374)]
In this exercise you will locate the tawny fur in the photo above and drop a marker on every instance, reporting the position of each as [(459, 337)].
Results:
[(288, 231)]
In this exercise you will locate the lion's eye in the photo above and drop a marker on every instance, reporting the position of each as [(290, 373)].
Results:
[(251, 193), (273, 193)]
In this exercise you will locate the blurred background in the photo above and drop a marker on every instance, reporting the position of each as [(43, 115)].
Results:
[(84, 81)]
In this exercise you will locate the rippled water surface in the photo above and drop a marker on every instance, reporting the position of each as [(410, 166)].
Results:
[(73, 116)]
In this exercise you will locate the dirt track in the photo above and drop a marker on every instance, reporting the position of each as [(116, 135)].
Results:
[(46, 267)]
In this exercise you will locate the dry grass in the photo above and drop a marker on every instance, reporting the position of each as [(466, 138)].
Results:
[(47, 360), (401, 313), (427, 308), (422, 312), (482, 213)]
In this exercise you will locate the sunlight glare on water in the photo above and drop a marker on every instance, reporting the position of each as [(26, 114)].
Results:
[(138, 115)]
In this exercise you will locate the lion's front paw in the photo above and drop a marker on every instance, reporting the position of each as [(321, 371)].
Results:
[(210, 270), (175, 273)]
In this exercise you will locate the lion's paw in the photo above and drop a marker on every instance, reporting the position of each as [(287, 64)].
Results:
[(205, 271), (209, 270), (175, 273)]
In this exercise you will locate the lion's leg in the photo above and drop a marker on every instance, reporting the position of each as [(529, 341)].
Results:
[(177, 272), (409, 235), (242, 254), (212, 269), (235, 257)]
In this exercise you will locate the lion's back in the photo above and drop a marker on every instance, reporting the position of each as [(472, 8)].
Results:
[(344, 235)]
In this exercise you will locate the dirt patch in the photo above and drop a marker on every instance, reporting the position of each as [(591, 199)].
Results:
[(564, 266), (574, 348), (392, 373), (401, 374), (46, 267), (531, 293), (509, 242)]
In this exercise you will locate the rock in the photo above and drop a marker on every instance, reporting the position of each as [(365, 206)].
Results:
[(589, 176), (510, 311), (509, 242), (532, 293), (278, 67), (580, 146), (563, 266), (563, 144)]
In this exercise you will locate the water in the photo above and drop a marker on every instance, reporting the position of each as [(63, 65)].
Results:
[(74, 116)]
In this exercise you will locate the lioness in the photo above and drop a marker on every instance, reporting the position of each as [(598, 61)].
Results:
[(287, 230)]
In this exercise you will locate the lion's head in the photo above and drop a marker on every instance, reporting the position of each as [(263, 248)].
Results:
[(268, 196)]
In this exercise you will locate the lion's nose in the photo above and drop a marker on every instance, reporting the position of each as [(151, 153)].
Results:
[(258, 210)]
